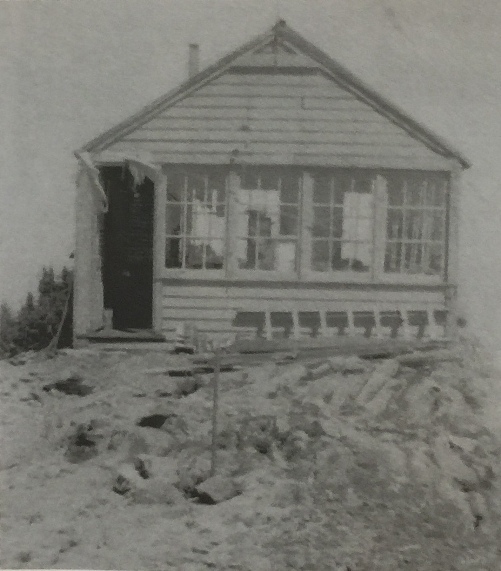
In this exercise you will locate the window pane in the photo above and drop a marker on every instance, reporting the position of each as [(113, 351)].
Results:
[(435, 258), (362, 184), (357, 256), (173, 252), (321, 221), (247, 250), (413, 224), (394, 224), (175, 186), (194, 254), (289, 191), (249, 180), (439, 194), (269, 180), (337, 222), (438, 226), (288, 220), (216, 188), (266, 254), (393, 257), (395, 191), (214, 254), (320, 256), (343, 183), (173, 217), (285, 256), (338, 262), (416, 191), (322, 189), (197, 187)]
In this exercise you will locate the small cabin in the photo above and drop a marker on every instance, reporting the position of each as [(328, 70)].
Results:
[(271, 195)]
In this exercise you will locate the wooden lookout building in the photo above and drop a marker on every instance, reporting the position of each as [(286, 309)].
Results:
[(271, 194)]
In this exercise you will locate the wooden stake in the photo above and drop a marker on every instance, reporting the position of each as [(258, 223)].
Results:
[(215, 407)]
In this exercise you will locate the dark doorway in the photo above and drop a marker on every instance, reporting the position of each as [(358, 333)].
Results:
[(127, 249)]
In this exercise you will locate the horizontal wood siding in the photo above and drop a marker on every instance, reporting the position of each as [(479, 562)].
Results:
[(213, 308), (277, 118)]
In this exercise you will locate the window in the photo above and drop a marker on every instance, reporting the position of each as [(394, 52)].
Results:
[(266, 207), (351, 224), (196, 220), (343, 223), (415, 228)]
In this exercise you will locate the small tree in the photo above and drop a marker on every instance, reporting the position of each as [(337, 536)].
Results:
[(8, 331), (40, 321)]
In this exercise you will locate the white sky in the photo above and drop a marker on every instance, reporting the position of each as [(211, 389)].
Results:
[(71, 69)]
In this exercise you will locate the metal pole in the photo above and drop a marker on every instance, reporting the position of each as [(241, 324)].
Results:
[(215, 406)]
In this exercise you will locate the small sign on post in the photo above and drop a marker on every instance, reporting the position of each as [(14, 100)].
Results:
[(215, 407)]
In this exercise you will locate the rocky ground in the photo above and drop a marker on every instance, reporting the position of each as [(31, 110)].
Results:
[(348, 465)]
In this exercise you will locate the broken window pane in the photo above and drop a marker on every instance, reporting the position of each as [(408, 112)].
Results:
[(263, 217), (196, 220), (346, 219)]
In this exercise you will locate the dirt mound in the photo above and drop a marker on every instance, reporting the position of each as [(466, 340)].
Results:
[(344, 464)]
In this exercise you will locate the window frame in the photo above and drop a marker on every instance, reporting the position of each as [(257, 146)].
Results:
[(304, 240), (235, 272), (195, 273)]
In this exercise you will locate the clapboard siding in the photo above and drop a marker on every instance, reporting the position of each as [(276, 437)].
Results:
[(334, 137), (359, 149), (279, 118), (208, 125), (213, 308)]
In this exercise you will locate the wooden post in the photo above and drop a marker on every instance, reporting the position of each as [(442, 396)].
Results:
[(380, 197), (215, 409), (306, 226), (452, 252), (232, 229), (160, 201)]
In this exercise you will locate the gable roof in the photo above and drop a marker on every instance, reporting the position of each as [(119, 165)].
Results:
[(279, 33)]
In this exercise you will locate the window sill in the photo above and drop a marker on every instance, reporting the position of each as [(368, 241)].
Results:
[(310, 277)]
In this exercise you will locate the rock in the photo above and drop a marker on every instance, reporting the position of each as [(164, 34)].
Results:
[(126, 479), (70, 385), (156, 491), (81, 446), (258, 432), (151, 466), (348, 365), (463, 442), (320, 371), (323, 388), (453, 466), (136, 482), (217, 489), (383, 373), (187, 385), (291, 375), (192, 472)]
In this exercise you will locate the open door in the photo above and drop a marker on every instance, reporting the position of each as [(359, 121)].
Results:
[(127, 250)]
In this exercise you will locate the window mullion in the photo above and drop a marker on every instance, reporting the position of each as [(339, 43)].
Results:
[(380, 214), (305, 244), (232, 238)]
